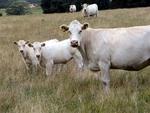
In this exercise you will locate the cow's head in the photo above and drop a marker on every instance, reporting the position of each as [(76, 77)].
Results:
[(84, 5), (21, 46), (75, 29), (37, 46)]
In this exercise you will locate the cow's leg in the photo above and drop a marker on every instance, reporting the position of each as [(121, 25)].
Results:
[(105, 75), (79, 60), (26, 64), (96, 13), (60, 67), (49, 66)]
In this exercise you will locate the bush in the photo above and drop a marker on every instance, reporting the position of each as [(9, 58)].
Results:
[(18, 8), (1, 14)]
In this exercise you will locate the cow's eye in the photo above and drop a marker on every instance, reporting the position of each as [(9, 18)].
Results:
[(23, 45), (80, 31)]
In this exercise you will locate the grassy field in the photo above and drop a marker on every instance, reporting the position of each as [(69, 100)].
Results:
[(66, 91)]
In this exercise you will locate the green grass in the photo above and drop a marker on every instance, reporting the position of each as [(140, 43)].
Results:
[(66, 91), (36, 10)]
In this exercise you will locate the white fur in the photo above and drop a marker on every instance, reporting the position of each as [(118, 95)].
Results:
[(28, 54), (57, 53), (72, 8), (90, 10), (117, 48)]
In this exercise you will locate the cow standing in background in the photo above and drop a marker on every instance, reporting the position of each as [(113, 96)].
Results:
[(72, 8), (116, 48), (89, 10)]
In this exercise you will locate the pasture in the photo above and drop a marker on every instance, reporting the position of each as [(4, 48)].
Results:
[(67, 91)]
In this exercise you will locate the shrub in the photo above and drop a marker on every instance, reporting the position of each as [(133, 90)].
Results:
[(1, 14), (18, 8)]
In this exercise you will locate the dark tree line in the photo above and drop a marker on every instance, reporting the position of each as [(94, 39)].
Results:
[(34, 1), (129, 3), (50, 6), (5, 3)]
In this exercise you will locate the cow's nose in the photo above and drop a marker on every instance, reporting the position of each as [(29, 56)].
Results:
[(21, 51), (74, 43), (38, 56)]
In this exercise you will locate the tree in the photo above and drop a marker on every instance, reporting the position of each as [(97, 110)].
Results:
[(18, 8), (34, 1), (51, 6), (5, 3)]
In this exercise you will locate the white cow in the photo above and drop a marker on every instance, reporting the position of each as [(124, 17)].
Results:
[(89, 10), (72, 8), (105, 49), (27, 53), (57, 53)]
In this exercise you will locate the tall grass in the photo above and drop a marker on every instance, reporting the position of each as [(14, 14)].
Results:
[(67, 91)]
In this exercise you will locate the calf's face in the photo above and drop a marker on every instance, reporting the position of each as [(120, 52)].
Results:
[(21, 46), (75, 29), (37, 46), (71, 8)]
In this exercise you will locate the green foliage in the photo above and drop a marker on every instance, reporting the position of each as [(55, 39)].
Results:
[(18, 8), (5, 3), (34, 1)]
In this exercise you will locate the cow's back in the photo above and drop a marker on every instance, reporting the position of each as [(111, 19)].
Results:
[(122, 47)]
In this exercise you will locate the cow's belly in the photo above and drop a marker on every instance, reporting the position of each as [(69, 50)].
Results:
[(62, 60), (60, 57), (131, 65)]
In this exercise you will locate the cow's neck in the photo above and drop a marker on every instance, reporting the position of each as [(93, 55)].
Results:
[(84, 53)]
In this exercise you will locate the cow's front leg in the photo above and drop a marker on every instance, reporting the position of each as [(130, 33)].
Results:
[(105, 75), (79, 60), (49, 66)]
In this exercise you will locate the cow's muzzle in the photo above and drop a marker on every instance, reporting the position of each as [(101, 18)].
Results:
[(38, 56), (74, 43), (21, 51)]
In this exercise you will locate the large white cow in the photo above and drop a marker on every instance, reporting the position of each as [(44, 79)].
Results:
[(27, 53), (116, 48), (56, 53), (89, 10), (72, 8)]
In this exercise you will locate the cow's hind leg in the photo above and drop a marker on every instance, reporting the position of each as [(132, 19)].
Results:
[(49, 66)]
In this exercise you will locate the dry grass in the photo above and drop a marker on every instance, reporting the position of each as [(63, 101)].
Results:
[(66, 92)]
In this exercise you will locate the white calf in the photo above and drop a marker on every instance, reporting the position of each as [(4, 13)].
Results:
[(27, 53), (72, 8), (56, 53)]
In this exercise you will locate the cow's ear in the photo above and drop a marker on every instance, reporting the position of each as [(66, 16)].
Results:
[(15, 43), (27, 42), (43, 44), (30, 45), (85, 26), (64, 27)]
